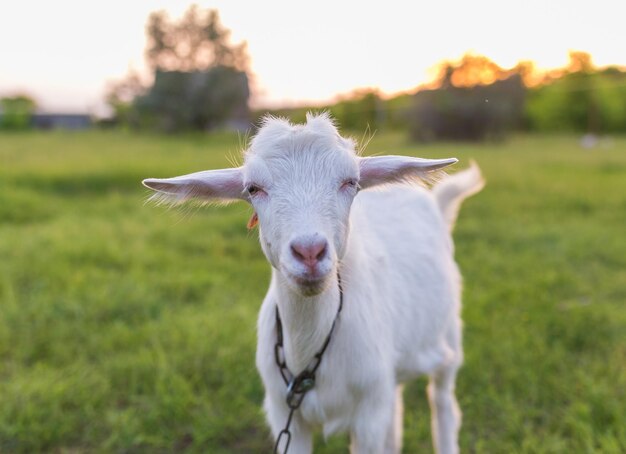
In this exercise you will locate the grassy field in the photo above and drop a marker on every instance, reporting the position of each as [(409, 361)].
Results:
[(128, 328)]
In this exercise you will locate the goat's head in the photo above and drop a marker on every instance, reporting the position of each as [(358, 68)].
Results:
[(301, 181)]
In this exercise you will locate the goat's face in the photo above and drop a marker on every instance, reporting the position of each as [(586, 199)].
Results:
[(301, 181)]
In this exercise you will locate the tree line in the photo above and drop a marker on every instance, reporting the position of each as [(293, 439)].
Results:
[(200, 80), (475, 99)]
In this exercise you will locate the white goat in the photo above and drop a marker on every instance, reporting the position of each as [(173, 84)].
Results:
[(399, 284)]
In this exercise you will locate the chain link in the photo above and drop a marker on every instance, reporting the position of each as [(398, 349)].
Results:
[(300, 385)]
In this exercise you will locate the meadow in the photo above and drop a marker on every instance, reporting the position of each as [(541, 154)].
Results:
[(130, 328)]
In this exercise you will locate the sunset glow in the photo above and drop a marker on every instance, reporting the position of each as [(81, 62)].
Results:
[(64, 52)]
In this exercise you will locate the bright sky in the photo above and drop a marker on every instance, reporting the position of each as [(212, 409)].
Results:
[(63, 52)]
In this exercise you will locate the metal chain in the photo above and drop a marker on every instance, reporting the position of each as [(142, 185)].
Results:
[(300, 385)]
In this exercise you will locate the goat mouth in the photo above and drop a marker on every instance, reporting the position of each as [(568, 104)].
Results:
[(310, 285)]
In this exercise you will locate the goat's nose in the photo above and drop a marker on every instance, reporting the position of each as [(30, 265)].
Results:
[(309, 251)]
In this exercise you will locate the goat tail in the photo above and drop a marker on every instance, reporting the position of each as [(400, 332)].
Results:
[(451, 191)]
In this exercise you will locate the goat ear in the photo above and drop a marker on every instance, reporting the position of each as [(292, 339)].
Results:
[(389, 169), (224, 185)]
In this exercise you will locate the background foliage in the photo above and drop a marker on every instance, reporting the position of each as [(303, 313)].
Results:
[(475, 99), (199, 78), (16, 112)]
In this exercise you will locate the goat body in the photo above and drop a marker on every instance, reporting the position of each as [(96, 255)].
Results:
[(401, 286)]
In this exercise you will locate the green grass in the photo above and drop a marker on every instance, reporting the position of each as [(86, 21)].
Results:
[(126, 327)]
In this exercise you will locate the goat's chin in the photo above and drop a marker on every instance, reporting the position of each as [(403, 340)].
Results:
[(307, 286), (313, 288)]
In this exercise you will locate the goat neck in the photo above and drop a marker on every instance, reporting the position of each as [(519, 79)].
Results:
[(306, 320)]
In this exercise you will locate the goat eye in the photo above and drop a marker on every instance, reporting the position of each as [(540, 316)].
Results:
[(349, 183), (253, 189)]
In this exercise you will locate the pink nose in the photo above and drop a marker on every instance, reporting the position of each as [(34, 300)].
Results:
[(309, 252)]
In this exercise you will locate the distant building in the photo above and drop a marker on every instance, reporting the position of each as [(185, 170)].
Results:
[(61, 121)]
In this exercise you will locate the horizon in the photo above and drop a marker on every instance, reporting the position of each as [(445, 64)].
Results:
[(346, 46)]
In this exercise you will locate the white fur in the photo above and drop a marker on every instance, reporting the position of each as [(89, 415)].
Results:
[(392, 247)]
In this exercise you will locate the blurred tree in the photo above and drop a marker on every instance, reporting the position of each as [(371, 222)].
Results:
[(528, 72), (359, 109), (16, 112), (481, 112), (474, 99), (473, 70), (200, 77), (579, 97), (121, 94), (580, 62), (200, 100), (197, 42)]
